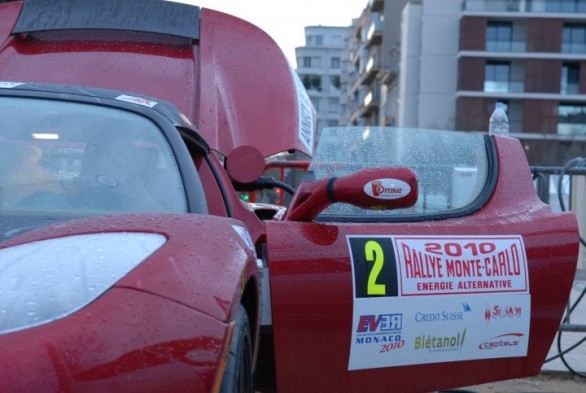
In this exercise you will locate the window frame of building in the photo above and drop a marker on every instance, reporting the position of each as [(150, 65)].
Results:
[(306, 61), (499, 36), (570, 78), (571, 119), (312, 82), (335, 62), (574, 38), (333, 105), (494, 76), (336, 82), (565, 6)]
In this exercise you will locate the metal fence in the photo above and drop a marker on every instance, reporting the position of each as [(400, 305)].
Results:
[(564, 188)]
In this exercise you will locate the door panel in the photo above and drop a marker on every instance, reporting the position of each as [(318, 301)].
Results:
[(422, 306)]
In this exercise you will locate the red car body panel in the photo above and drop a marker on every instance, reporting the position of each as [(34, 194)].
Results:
[(98, 349), (200, 78), (311, 290), (163, 326), (171, 271)]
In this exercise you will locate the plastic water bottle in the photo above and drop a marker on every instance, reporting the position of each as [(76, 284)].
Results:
[(499, 122)]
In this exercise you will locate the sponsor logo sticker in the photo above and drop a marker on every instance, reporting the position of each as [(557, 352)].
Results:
[(502, 341), (440, 343), (136, 100), (380, 329), (443, 316), (387, 189), (502, 312)]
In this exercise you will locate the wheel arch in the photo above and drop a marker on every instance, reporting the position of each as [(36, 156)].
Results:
[(250, 302)]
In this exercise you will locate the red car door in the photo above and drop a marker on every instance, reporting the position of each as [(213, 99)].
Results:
[(466, 286)]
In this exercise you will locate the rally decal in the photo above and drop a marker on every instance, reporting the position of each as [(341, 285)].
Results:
[(394, 327), (305, 110), (137, 100), (374, 266), (467, 264), (9, 85)]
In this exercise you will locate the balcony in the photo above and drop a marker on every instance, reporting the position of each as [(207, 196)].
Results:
[(356, 84), (494, 5), (506, 46), (375, 33), (573, 47), (570, 88), (371, 70), (371, 102), (504, 87), (376, 5), (550, 6)]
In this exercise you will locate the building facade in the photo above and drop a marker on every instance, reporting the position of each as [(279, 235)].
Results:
[(444, 64), (319, 65), (531, 55)]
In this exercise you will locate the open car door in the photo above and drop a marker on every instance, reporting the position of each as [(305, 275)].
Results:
[(458, 275)]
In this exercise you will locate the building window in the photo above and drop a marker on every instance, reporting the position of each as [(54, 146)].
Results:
[(565, 5), (319, 40), (333, 105), (496, 76), (335, 82), (572, 120), (311, 82), (335, 62), (574, 39), (499, 36), (570, 82), (307, 62), (316, 61)]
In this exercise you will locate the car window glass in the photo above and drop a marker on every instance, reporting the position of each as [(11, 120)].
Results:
[(66, 156), (451, 167)]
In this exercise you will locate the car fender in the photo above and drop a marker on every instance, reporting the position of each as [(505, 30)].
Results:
[(205, 264)]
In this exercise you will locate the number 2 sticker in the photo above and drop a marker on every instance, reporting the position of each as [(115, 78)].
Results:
[(374, 267)]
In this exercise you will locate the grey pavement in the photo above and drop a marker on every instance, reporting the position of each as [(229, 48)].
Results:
[(576, 358)]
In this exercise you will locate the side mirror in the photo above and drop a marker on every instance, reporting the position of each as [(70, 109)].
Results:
[(245, 164), (374, 188)]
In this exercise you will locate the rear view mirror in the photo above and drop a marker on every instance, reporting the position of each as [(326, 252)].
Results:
[(374, 188)]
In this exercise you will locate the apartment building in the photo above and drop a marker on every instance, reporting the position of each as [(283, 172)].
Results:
[(444, 64), (372, 63), (531, 55), (319, 65)]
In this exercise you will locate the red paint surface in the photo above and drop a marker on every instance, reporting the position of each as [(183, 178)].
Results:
[(160, 329), (126, 341), (311, 287), (232, 100)]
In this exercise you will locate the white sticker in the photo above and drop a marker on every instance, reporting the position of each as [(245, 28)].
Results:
[(430, 265), (305, 126), (397, 323), (9, 85), (243, 233), (387, 189), (137, 100), (389, 332)]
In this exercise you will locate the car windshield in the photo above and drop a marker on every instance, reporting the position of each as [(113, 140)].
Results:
[(451, 167), (60, 156)]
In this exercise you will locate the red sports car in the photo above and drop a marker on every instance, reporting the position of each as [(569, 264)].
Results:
[(406, 259)]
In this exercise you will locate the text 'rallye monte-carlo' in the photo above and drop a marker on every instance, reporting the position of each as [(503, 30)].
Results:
[(407, 260)]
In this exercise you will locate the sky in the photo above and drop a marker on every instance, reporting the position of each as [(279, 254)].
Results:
[(284, 21)]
